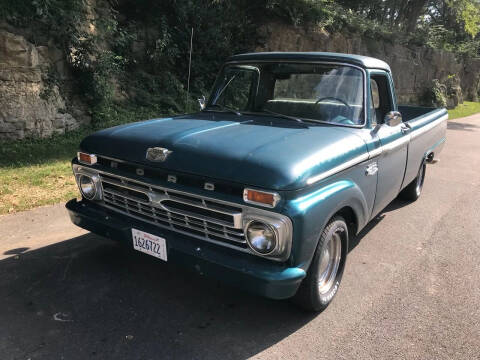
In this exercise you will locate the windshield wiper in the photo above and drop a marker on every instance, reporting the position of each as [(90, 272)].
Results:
[(283, 115), (224, 108)]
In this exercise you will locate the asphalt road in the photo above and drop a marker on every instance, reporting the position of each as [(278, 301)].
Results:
[(411, 289)]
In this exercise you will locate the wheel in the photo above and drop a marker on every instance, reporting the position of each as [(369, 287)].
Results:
[(413, 190), (325, 273)]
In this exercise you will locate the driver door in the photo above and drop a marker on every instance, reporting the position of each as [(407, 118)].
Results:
[(394, 137)]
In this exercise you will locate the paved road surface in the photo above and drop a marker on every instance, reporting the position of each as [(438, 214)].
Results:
[(411, 289)]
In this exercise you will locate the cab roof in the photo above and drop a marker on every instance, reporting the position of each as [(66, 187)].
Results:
[(359, 60)]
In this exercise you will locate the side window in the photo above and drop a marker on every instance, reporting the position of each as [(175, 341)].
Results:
[(381, 95), (375, 95), (374, 101)]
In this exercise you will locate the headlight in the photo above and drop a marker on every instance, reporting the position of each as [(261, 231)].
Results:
[(261, 237), (87, 187), (88, 182)]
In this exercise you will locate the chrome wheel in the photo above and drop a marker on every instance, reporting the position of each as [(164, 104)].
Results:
[(325, 272), (331, 254)]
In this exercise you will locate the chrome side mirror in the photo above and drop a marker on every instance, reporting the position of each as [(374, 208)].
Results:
[(393, 118), (202, 102)]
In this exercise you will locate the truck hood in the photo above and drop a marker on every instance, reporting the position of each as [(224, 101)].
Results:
[(259, 151)]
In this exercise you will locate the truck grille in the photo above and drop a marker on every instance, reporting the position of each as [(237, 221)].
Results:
[(188, 214)]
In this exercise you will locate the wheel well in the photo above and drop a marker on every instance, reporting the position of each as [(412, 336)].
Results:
[(349, 215)]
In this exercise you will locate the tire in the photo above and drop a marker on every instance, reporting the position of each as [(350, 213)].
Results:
[(325, 273), (413, 190)]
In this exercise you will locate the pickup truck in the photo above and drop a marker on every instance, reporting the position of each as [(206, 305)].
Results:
[(263, 188)]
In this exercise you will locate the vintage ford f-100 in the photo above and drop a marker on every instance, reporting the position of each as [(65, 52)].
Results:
[(290, 157)]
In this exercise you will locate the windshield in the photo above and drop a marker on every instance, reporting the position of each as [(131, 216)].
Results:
[(320, 92)]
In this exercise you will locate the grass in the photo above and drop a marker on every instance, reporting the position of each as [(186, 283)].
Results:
[(36, 172), (466, 109), (27, 187)]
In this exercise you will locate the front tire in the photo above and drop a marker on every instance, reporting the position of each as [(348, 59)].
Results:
[(325, 273), (413, 190)]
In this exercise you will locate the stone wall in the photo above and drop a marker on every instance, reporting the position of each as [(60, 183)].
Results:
[(414, 68), (31, 106)]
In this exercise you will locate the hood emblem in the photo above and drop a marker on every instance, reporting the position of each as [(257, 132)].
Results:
[(157, 154)]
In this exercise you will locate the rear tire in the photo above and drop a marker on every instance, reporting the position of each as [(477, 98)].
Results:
[(325, 273), (414, 189)]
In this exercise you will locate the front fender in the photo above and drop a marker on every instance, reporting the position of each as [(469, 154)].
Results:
[(310, 213)]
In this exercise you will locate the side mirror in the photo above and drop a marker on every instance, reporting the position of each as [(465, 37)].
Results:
[(393, 118), (202, 102)]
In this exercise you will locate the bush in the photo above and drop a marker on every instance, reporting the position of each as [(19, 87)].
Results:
[(435, 95)]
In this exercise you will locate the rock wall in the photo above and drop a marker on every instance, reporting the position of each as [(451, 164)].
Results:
[(414, 68), (30, 105)]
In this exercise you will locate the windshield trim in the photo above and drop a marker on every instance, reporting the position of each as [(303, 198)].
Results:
[(305, 121), (364, 73), (214, 96)]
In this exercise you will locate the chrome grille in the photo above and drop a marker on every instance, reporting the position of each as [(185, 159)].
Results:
[(189, 214)]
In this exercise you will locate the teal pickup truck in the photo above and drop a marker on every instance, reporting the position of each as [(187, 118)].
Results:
[(289, 158)]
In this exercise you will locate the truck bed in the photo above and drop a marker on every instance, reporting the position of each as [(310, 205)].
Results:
[(426, 136), (410, 112)]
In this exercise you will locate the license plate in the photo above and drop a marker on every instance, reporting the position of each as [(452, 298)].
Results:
[(149, 244)]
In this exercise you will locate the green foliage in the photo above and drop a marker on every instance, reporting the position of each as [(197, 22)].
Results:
[(158, 65), (57, 19), (468, 12), (438, 37), (451, 25), (303, 12), (435, 95)]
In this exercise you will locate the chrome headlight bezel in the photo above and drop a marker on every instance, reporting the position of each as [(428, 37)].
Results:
[(87, 187), (280, 225), (85, 172)]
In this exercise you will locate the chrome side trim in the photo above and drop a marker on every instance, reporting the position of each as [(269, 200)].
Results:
[(355, 161), (378, 151), (375, 152), (428, 127), (395, 144)]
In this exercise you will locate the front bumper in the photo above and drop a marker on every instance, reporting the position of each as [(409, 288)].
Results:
[(257, 275)]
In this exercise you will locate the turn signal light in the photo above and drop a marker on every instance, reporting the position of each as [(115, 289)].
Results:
[(263, 198), (85, 158)]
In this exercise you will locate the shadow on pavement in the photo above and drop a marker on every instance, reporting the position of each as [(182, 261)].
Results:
[(394, 205), (453, 125), (89, 297), (16, 251)]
